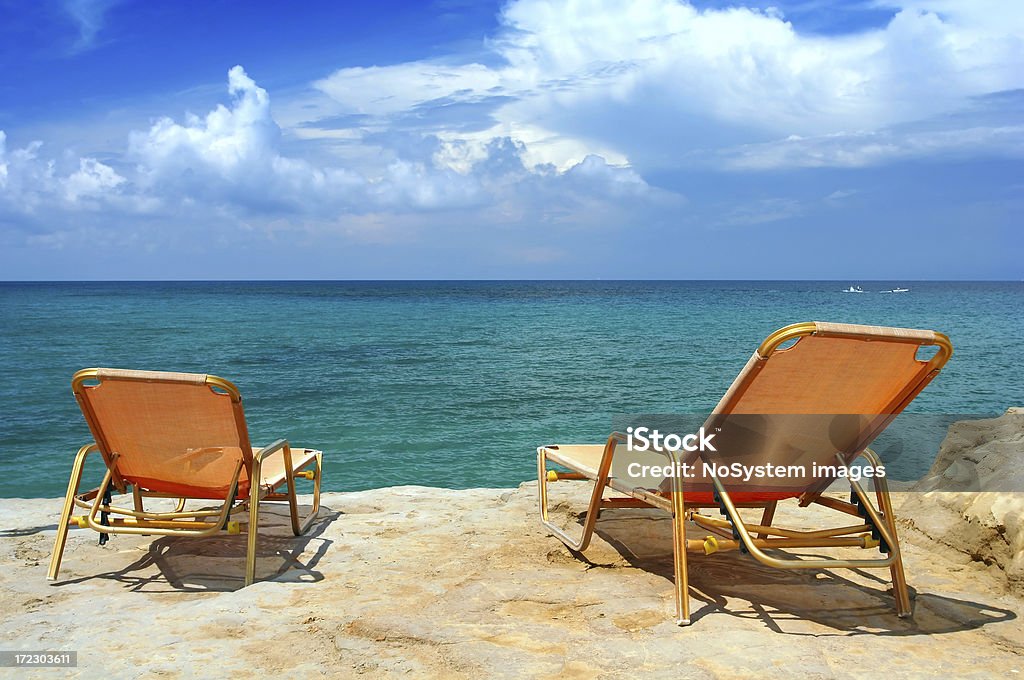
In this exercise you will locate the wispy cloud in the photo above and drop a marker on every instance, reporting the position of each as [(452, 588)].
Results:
[(89, 17), (863, 149), (763, 211), (839, 194)]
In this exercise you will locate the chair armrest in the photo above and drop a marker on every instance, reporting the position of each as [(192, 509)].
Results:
[(272, 448), (617, 436)]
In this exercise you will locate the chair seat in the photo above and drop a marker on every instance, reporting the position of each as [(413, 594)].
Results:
[(272, 475), (272, 472)]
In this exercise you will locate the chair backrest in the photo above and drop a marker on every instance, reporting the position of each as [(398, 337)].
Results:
[(176, 433), (813, 390)]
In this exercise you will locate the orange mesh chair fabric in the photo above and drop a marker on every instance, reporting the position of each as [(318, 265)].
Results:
[(170, 433), (834, 390), (830, 372)]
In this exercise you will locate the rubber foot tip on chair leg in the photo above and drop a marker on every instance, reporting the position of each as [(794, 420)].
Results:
[(904, 615), (234, 528), (552, 476), (682, 622)]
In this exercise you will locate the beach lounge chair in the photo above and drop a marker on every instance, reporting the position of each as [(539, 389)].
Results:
[(818, 393), (183, 436)]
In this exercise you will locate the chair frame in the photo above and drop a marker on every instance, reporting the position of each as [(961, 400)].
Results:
[(880, 517), (180, 522)]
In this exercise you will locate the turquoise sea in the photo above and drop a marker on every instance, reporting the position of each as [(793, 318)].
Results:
[(453, 383)]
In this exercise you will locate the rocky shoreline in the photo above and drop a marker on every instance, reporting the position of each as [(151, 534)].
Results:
[(426, 582)]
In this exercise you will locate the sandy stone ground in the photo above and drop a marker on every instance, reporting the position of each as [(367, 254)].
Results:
[(419, 582)]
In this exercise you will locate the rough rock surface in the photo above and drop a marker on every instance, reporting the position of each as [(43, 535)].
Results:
[(973, 497), (421, 582)]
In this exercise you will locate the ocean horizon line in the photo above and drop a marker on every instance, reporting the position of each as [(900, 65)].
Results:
[(496, 280)]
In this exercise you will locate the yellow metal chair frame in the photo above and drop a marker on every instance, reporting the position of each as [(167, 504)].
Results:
[(753, 538)]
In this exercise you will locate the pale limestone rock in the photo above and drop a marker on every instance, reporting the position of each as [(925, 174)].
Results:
[(421, 582), (973, 497)]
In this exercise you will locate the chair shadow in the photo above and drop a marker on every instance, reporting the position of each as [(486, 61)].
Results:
[(217, 563), (776, 596), (27, 531)]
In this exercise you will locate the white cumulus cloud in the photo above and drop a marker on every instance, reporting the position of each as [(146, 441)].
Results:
[(232, 156), (27, 180), (33, 186), (229, 164), (3, 159), (381, 90), (652, 80), (228, 143), (92, 179)]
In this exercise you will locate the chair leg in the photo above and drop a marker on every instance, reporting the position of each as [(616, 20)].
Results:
[(293, 500), (900, 590), (254, 519), (767, 517), (301, 525), (314, 512), (682, 577), (592, 509), (69, 505)]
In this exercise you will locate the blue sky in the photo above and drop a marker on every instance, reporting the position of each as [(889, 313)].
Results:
[(526, 139)]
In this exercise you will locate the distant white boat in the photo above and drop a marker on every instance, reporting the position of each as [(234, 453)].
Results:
[(852, 289), (900, 290)]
